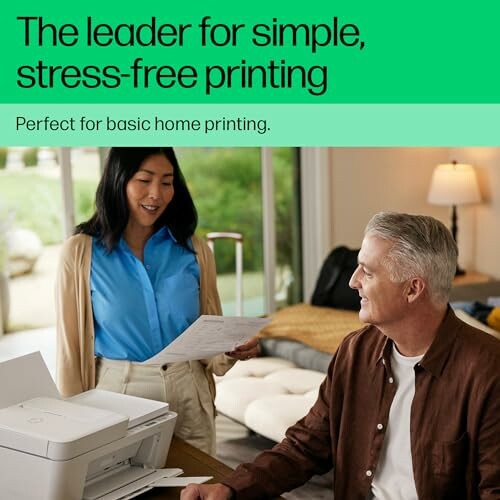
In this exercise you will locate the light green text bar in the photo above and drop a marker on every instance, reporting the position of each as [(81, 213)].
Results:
[(249, 125)]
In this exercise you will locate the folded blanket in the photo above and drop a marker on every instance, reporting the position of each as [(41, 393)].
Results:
[(322, 328)]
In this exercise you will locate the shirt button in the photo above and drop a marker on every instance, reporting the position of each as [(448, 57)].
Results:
[(148, 266), (369, 473), (391, 380), (380, 427)]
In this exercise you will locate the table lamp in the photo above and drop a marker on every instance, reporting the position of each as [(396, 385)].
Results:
[(454, 184)]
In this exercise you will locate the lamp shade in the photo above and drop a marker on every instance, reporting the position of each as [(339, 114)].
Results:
[(453, 184)]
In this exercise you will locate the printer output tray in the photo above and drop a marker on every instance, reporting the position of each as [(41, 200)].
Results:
[(126, 482)]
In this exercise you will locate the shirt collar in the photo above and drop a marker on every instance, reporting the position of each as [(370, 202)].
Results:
[(437, 354), (440, 349), (385, 350), (162, 234)]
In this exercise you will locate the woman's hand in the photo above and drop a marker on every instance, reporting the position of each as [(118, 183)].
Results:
[(249, 349)]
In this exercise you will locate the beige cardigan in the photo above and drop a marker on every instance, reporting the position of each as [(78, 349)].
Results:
[(75, 368)]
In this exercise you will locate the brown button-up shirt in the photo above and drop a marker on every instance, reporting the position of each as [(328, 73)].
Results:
[(455, 421)]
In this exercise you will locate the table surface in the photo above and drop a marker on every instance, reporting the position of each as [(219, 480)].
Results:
[(471, 278), (194, 463)]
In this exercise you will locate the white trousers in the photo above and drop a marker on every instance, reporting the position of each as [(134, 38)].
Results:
[(182, 385)]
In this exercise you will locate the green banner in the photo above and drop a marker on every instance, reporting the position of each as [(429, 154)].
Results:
[(257, 52)]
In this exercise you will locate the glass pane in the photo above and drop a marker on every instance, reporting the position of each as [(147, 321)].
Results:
[(85, 168), (288, 289), (31, 195), (226, 187)]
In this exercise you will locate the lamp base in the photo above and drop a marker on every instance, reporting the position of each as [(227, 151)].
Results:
[(459, 271)]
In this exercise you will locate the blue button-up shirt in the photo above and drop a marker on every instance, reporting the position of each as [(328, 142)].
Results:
[(140, 307)]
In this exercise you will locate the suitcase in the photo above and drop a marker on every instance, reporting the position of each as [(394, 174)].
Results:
[(238, 239)]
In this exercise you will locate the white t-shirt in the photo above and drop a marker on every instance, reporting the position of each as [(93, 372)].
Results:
[(393, 478)]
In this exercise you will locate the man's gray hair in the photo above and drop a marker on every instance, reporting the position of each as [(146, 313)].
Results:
[(422, 246)]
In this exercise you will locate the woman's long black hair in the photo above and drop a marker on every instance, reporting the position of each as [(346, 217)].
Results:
[(112, 213)]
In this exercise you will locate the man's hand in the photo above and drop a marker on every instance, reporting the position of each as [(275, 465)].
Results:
[(206, 492), (249, 349)]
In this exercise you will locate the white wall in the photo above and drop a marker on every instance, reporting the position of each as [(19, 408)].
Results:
[(487, 215), (368, 180)]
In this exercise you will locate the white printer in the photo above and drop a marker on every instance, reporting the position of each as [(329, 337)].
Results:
[(96, 445)]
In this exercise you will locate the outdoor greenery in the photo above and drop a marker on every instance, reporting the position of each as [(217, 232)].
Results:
[(30, 157), (3, 157), (225, 184), (36, 201)]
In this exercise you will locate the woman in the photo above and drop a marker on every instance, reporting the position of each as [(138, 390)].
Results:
[(131, 280)]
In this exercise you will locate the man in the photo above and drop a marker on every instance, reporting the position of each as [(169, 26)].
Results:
[(410, 407)]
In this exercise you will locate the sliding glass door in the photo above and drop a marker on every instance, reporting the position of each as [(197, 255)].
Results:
[(254, 192)]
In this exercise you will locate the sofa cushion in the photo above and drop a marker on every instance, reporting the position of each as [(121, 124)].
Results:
[(256, 367), (267, 395), (298, 353), (272, 415), (296, 380), (235, 394)]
